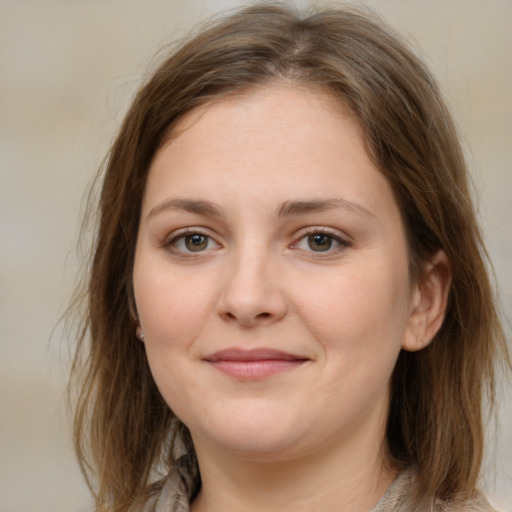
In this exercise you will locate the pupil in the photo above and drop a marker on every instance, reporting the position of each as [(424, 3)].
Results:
[(319, 242), (196, 242)]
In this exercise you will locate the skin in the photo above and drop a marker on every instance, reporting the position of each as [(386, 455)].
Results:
[(237, 206)]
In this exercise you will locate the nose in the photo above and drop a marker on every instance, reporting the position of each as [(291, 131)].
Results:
[(251, 293)]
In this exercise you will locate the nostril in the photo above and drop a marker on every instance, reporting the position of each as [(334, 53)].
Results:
[(228, 315)]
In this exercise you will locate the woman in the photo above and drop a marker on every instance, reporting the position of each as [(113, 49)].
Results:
[(288, 305)]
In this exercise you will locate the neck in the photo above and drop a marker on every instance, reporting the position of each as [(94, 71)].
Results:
[(352, 481)]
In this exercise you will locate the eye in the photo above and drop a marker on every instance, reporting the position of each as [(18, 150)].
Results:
[(320, 241), (192, 242)]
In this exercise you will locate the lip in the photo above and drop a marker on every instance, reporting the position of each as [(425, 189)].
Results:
[(254, 364)]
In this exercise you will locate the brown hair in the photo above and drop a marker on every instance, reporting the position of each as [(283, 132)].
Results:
[(123, 428)]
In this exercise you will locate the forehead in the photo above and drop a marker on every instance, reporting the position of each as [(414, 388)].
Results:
[(289, 102), (291, 141)]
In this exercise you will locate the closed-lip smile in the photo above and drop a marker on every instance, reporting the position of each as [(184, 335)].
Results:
[(254, 364)]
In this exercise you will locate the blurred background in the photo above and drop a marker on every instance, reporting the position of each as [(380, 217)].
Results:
[(68, 70)]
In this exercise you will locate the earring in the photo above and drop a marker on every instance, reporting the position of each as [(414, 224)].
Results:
[(139, 333), (141, 336)]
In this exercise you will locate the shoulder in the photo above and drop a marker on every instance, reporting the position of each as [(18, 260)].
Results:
[(477, 503), (168, 495), (399, 498), (174, 492)]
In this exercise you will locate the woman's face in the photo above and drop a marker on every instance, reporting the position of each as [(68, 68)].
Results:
[(271, 277)]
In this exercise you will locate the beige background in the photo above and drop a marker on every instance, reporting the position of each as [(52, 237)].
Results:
[(67, 71)]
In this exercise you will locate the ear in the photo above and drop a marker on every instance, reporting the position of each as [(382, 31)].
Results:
[(428, 303)]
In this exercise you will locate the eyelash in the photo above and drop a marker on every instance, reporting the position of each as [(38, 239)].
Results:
[(331, 236)]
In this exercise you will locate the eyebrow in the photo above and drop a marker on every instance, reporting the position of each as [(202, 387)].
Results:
[(287, 209), (199, 207), (290, 208)]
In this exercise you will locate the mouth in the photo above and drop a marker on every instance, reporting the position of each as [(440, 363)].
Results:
[(254, 364)]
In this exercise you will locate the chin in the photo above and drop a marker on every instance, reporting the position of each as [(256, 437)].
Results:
[(260, 435)]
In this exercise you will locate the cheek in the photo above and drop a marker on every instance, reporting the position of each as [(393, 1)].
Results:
[(362, 310), (172, 311), (170, 306)]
